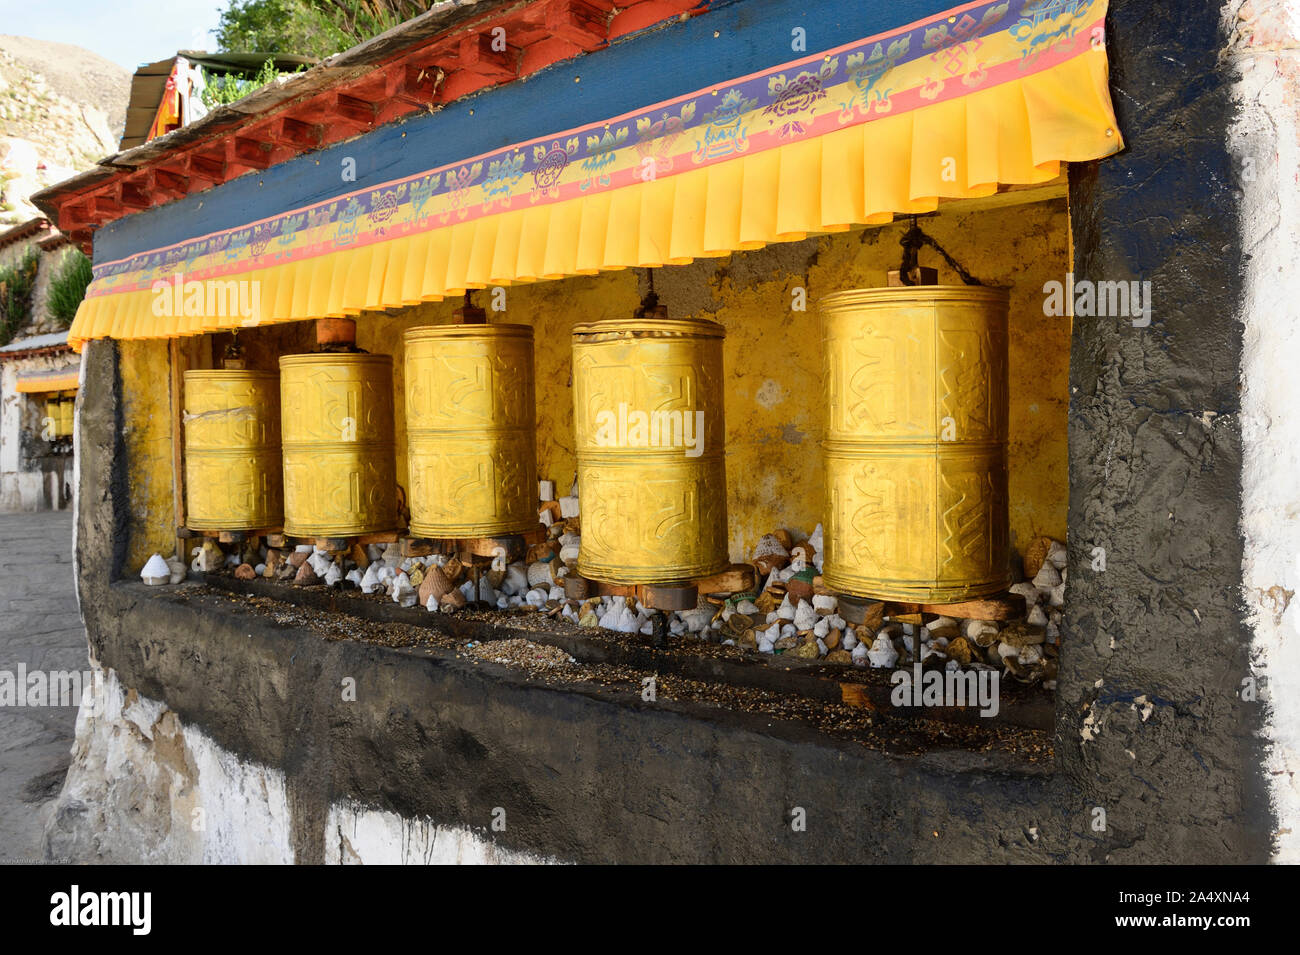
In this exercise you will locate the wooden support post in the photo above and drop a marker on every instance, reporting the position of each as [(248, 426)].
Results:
[(682, 596), (420, 547), (998, 607), (175, 368), (170, 184), (736, 579), (577, 588), (379, 537), (512, 544), (859, 611), (614, 590)]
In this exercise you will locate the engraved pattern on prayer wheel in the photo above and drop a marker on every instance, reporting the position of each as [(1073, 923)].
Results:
[(651, 512), (339, 459), (471, 430), (232, 450), (916, 446)]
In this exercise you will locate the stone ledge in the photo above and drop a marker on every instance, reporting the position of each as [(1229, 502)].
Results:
[(1027, 707), (585, 773)]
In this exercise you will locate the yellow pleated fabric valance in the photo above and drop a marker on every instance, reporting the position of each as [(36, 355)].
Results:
[(948, 108), (44, 382)]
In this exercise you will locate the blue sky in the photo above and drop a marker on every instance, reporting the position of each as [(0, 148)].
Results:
[(128, 32)]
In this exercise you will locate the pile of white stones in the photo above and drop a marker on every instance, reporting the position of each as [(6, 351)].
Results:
[(788, 613), (793, 614)]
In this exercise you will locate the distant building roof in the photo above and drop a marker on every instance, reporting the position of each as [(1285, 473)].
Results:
[(53, 240), (54, 340), (24, 230), (149, 84)]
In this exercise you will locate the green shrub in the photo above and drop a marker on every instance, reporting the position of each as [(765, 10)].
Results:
[(220, 89), (17, 282), (68, 287), (316, 28)]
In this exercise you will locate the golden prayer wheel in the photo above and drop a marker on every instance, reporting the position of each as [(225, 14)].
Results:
[(60, 413), (232, 450), (470, 430), (648, 417), (339, 462), (916, 444)]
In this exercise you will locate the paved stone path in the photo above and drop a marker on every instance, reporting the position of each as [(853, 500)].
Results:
[(41, 628)]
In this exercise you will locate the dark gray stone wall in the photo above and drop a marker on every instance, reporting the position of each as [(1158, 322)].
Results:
[(583, 773), (1155, 465)]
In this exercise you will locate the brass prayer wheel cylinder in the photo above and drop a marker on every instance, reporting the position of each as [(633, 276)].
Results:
[(339, 460), (232, 450), (916, 444), (60, 414), (470, 430), (649, 431)]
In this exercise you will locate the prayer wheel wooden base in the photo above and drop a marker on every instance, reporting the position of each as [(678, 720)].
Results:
[(468, 549)]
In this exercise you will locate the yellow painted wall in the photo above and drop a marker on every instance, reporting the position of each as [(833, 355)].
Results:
[(772, 362), (147, 415)]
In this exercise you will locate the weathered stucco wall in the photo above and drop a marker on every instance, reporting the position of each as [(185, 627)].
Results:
[(147, 787)]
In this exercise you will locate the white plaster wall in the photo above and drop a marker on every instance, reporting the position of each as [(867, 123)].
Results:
[(356, 835), (145, 787), (1266, 143), (9, 417)]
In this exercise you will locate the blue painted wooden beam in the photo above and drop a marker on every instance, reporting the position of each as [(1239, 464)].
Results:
[(734, 38)]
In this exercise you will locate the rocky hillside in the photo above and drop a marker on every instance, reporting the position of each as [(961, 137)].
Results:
[(61, 109)]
